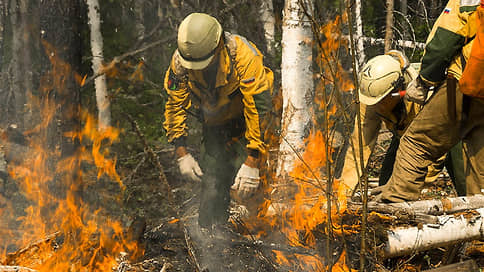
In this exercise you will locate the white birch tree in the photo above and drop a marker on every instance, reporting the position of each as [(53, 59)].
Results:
[(297, 83), (389, 26), (266, 12), (139, 15), (102, 100), (404, 11), (360, 47)]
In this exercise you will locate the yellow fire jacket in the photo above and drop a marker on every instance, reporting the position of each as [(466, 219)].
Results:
[(449, 44), (241, 88)]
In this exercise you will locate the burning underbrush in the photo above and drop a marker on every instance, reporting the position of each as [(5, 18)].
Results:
[(77, 209), (62, 181), (59, 230)]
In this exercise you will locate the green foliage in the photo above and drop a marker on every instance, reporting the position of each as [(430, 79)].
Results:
[(144, 99)]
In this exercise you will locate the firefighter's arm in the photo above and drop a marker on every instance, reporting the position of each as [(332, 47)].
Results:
[(178, 102), (449, 34), (370, 126), (256, 87)]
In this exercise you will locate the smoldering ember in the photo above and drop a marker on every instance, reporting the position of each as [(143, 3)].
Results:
[(235, 135)]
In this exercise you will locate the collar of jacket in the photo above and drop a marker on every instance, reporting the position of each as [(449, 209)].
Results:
[(224, 71)]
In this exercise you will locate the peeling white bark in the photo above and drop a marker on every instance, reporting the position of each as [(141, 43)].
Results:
[(297, 83), (433, 206), (401, 43), (360, 47), (138, 24), (266, 12), (450, 230), (102, 100), (389, 26)]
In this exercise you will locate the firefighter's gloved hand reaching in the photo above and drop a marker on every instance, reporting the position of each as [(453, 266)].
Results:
[(417, 91), (247, 179), (188, 166), (224, 76)]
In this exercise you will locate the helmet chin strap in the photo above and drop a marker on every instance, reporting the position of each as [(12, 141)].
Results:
[(404, 64)]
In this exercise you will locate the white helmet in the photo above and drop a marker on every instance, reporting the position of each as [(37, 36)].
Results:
[(382, 74)]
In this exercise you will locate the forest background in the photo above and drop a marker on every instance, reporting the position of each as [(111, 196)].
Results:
[(48, 85)]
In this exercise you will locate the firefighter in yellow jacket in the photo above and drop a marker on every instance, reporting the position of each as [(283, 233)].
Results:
[(221, 76), (449, 116), (383, 81)]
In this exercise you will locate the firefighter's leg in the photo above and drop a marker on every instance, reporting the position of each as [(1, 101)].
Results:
[(455, 166), (473, 143), (218, 172), (431, 134), (220, 162), (387, 165)]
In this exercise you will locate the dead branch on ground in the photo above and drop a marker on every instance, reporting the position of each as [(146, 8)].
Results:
[(4, 268), (171, 198), (12, 256)]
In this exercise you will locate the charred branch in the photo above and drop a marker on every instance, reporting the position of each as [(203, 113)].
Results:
[(12, 256), (469, 266), (171, 199), (120, 58)]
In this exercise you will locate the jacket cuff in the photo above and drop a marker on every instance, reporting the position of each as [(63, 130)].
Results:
[(180, 141), (427, 83), (253, 153)]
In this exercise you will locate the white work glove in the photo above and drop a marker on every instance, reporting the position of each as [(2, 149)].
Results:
[(417, 91), (189, 168), (246, 181)]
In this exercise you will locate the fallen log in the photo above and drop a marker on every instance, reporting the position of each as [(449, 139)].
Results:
[(5, 268), (465, 266), (450, 230), (12, 256), (432, 207)]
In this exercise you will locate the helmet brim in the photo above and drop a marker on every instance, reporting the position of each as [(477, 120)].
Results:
[(368, 100), (195, 65)]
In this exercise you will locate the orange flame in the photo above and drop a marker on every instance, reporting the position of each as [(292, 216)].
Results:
[(89, 241), (307, 211)]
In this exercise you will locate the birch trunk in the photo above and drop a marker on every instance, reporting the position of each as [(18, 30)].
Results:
[(389, 26), (102, 100), (401, 43), (266, 12), (403, 241), (16, 60), (139, 15), (297, 84), (433, 207), (360, 47), (404, 11)]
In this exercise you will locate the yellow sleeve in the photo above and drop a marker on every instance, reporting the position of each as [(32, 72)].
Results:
[(449, 34), (175, 85), (256, 87)]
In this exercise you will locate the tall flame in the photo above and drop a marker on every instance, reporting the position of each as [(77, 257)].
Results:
[(306, 215), (79, 238)]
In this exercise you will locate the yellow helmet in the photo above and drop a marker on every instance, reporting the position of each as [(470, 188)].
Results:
[(198, 37), (380, 75)]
